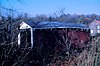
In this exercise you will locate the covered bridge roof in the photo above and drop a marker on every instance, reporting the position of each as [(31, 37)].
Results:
[(47, 24)]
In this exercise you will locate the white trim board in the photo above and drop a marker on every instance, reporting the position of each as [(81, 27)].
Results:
[(23, 25)]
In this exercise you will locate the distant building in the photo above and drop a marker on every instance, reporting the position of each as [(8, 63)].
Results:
[(94, 27), (31, 31)]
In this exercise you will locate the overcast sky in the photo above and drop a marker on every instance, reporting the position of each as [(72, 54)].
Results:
[(35, 7)]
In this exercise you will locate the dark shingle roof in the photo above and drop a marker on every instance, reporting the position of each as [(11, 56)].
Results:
[(47, 24)]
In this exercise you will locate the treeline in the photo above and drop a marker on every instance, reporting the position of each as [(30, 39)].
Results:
[(74, 18), (85, 19)]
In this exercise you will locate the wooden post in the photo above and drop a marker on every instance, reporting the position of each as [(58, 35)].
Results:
[(31, 38), (19, 38)]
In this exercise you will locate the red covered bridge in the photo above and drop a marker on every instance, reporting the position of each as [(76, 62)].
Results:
[(53, 33)]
